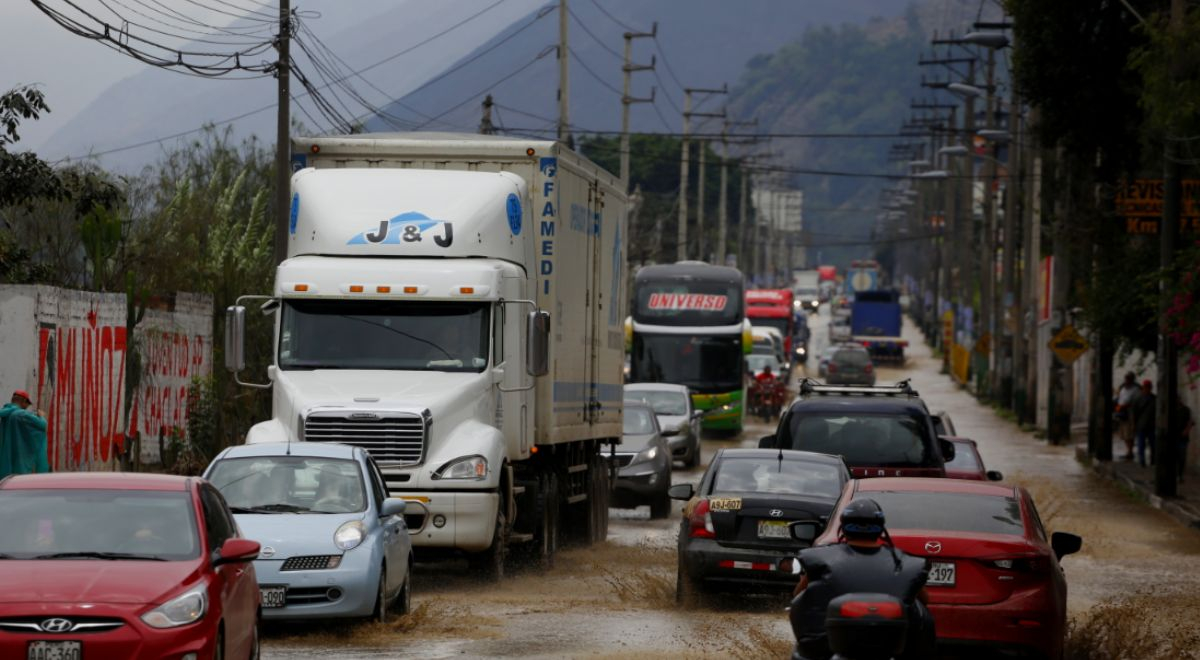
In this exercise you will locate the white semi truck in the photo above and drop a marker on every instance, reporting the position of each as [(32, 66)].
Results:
[(453, 304)]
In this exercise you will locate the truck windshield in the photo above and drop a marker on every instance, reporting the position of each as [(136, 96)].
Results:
[(377, 334), (704, 363)]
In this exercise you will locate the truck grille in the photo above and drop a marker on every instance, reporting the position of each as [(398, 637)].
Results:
[(391, 438)]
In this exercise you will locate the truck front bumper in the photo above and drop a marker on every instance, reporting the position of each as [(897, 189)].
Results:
[(468, 518)]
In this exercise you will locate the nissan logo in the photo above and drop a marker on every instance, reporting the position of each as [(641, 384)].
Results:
[(933, 547), (56, 625), (775, 513), (267, 551)]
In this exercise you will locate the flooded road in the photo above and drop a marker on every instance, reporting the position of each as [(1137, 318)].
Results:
[(1134, 588)]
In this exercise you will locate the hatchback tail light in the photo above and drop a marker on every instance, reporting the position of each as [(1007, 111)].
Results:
[(700, 522), (831, 367)]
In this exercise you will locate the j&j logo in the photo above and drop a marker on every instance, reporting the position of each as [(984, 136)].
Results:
[(411, 227)]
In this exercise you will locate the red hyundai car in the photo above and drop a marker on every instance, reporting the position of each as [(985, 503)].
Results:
[(120, 565), (967, 463), (995, 581)]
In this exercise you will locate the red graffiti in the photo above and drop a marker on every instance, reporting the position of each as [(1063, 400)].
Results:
[(81, 380), (171, 360)]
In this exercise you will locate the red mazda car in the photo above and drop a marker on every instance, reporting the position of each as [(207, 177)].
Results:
[(118, 565), (994, 579)]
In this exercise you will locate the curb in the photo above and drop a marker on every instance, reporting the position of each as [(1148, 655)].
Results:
[(1181, 510)]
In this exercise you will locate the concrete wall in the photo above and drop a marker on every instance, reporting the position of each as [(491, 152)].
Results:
[(68, 350)]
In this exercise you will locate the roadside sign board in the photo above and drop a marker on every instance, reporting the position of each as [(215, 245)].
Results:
[(1139, 202), (1068, 344)]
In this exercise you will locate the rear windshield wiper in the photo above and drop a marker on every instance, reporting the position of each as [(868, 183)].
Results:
[(99, 555)]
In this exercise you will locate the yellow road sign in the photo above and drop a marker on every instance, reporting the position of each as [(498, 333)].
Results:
[(1068, 344)]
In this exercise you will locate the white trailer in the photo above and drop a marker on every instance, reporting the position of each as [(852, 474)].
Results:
[(452, 303)]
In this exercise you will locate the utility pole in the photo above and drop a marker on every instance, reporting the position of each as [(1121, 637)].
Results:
[(283, 143), (723, 211), (988, 262), (626, 100), (485, 124), (684, 165), (564, 90), (1009, 319), (1165, 451)]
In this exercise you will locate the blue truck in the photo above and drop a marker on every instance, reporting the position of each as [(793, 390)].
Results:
[(875, 323)]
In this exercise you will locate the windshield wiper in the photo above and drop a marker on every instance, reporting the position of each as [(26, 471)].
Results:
[(271, 508), (99, 555)]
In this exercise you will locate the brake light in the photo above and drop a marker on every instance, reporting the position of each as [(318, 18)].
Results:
[(700, 522), (857, 609), (867, 344), (831, 367), (868, 368), (1019, 564)]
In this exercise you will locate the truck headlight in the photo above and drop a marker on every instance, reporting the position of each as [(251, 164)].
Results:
[(644, 456), (467, 467), (349, 535), (188, 607)]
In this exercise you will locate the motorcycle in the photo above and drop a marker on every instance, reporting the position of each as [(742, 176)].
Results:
[(767, 398)]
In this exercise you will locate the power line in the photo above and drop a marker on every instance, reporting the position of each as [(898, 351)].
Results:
[(667, 63), (181, 37), (595, 75), (546, 51), (584, 26)]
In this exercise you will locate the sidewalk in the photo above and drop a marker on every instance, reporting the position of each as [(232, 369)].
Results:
[(1140, 480)]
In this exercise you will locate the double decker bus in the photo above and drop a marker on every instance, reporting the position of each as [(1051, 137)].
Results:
[(689, 327)]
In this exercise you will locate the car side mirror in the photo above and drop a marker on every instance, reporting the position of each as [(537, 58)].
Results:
[(235, 551), (1064, 544), (537, 347), (947, 448), (681, 492), (392, 506), (805, 530), (699, 414), (995, 475), (767, 442)]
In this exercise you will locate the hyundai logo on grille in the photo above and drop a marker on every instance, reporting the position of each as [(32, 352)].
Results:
[(775, 513), (933, 547), (56, 625)]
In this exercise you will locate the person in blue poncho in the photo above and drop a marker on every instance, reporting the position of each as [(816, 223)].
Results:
[(22, 437)]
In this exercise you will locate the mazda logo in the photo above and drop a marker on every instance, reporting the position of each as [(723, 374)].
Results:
[(933, 547), (56, 625), (775, 513)]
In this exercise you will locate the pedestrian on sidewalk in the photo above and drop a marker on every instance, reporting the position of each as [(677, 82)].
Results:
[(1143, 421), (1182, 433), (22, 437), (1124, 398)]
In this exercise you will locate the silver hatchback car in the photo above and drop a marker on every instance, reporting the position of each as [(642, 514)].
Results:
[(850, 365)]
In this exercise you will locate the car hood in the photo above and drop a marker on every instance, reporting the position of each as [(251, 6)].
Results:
[(94, 580), (293, 534), (631, 444)]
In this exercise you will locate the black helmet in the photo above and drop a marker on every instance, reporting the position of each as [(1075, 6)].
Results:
[(863, 520)]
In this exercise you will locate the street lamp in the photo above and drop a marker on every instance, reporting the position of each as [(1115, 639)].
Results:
[(954, 150), (964, 90), (914, 164), (931, 174), (991, 40), (998, 135)]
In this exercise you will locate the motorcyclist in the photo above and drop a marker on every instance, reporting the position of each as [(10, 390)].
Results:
[(765, 377), (865, 562)]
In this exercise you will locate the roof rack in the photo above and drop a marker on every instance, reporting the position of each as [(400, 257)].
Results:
[(813, 386)]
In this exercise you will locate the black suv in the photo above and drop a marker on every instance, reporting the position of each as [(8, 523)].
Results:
[(879, 431)]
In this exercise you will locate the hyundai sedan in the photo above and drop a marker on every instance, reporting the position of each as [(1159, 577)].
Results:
[(334, 544), (119, 565), (643, 462), (995, 580), (734, 528)]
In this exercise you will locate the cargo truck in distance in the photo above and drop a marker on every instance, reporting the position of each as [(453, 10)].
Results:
[(875, 322), (452, 304)]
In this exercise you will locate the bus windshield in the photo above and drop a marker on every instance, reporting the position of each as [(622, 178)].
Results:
[(704, 363), (688, 302)]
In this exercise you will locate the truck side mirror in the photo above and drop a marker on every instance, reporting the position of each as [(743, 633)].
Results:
[(235, 338), (537, 346)]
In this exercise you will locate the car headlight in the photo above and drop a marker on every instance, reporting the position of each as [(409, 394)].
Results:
[(349, 535), (645, 455), (181, 610), (468, 467)]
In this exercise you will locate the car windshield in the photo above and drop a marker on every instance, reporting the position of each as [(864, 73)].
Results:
[(377, 334), (949, 512), (98, 524), (787, 477), (964, 458), (290, 484), (861, 439), (704, 363), (663, 402), (638, 421)]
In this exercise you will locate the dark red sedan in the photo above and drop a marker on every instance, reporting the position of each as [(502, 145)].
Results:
[(967, 463), (120, 565), (994, 581)]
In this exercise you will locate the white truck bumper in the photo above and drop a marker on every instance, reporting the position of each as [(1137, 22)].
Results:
[(470, 519)]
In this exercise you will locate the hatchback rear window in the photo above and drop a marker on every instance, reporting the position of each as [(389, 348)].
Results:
[(856, 358), (745, 475), (861, 439), (964, 458), (949, 512)]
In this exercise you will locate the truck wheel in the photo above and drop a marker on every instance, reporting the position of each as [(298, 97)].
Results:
[(489, 564), (547, 543), (599, 494)]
